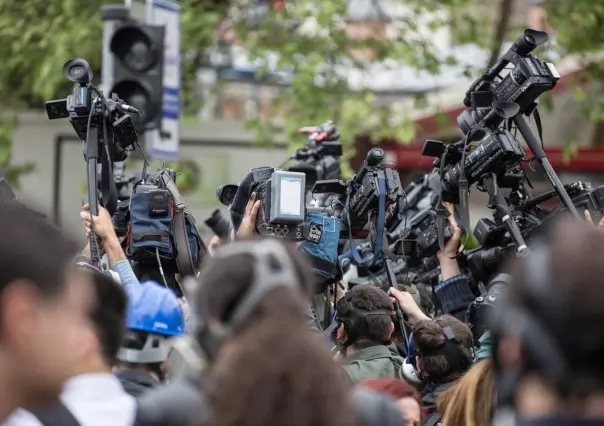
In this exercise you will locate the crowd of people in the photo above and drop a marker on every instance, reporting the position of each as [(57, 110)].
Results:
[(240, 345)]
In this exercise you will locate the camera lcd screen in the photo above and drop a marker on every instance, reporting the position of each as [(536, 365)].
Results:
[(290, 196)]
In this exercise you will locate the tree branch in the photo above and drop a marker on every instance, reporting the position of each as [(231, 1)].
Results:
[(505, 12)]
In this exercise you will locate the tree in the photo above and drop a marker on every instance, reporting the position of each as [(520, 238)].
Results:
[(37, 37), (577, 26), (322, 59), (505, 11)]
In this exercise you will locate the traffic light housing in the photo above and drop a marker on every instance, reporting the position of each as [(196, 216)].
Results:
[(138, 53)]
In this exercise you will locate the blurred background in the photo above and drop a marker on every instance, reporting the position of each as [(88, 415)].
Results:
[(388, 72)]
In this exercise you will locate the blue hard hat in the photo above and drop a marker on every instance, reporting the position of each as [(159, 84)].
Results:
[(153, 308)]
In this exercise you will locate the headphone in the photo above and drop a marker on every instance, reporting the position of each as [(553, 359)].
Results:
[(355, 321), (451, 349), (266, 277), (408, 372)]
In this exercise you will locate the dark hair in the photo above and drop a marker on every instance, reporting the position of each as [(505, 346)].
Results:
[(368, 298), (274, 370), (567, 304), (108, 315), (33, 249), (429, 336), (149, 271)]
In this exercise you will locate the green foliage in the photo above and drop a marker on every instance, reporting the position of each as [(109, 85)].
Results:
[(319, 90), (578, 31), (11, 172)]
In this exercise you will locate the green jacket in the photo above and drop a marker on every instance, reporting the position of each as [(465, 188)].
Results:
[(373, 362)]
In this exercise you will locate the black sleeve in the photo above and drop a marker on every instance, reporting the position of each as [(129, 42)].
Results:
[(176, 403), (454, 296)]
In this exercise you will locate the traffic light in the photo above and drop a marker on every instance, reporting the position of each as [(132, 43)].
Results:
[(138, 51)]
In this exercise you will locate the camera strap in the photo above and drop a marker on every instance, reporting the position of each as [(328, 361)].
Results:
[(377, 251), (184, 258)]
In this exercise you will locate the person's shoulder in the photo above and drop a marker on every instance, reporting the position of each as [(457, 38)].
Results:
[(374, 409), (174, 403), (21, 417)]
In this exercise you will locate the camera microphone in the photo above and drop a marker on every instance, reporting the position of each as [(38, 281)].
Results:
[(128, 108)]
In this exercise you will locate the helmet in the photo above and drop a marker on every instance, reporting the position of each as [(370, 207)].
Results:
[(154, 315)]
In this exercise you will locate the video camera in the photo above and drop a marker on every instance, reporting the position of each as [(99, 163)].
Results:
[(88, 108), (106, 130), (526, 81), (497, 150), (359, 199), (282, 204), (319, 160), (218, 224), (533, 220)]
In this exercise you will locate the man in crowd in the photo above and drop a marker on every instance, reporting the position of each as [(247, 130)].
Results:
[(444, 351), (44, 301), (364, 333), (154, 316), (549, 331), (92, 395)]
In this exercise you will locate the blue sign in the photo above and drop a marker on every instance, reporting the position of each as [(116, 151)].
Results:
[(164, 145)]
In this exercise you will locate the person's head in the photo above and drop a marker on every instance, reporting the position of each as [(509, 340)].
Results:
[(106, 322), (149, 271), (470, 401), (365, 318), (407, 398), (443, 349), (549, 329), (44, 300), (154, 316), (252, 310)]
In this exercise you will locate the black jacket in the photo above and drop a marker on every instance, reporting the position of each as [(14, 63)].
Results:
[(430, 394), (178, 402), (175, 403), (136, 382)]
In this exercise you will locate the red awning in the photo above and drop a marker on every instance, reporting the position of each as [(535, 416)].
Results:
[(585, 159)]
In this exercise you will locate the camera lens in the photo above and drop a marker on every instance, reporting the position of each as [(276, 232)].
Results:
[(78, 71)]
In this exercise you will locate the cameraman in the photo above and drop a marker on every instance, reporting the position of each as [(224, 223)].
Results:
[(453, 292), (364, 334), (548, 331), (110, 244)]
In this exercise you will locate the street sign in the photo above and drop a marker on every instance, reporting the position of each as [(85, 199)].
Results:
[(163, 144)]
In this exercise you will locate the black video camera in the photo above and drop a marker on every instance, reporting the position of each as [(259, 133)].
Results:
[(497, 150), (218, 224), (529, 78), (319, 160), (421, 239), (360, 197), (87, 107), (282, 204)]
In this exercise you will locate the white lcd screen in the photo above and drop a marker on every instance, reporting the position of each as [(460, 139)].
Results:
[(290, 198)]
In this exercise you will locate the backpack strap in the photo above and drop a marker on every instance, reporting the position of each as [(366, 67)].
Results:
[(184, 259), (433, 420), (58, 415)]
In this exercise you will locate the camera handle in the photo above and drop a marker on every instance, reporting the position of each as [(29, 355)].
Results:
[(539, 154), (499, 204), (389, 263), (91, 152)]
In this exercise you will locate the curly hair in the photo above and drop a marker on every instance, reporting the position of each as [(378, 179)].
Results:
[(274, 370), (368, 298), (428, 336)]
